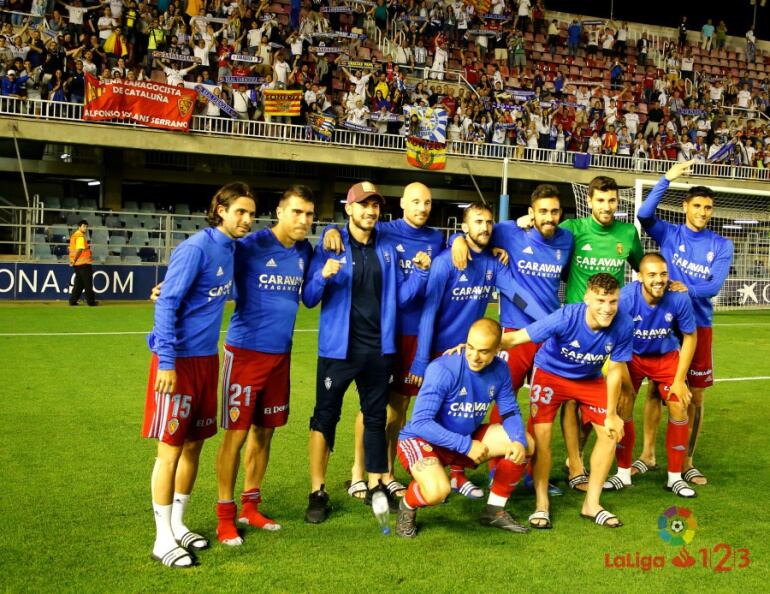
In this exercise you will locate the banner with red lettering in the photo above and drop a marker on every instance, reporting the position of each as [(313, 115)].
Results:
[(149, 103)]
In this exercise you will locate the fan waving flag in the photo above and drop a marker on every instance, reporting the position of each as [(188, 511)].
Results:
[(283, 103), (433, 121)]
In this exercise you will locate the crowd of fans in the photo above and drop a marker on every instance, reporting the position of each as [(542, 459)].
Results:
[(527, 80)]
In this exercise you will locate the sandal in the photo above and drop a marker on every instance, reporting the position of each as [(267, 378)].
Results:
[(577, 481), (543, 516), (192, 540), (395, 488), (693, 473), (174, 557), (615, 483), (641, 467), (602, 518), (358, 490), (682, 489)]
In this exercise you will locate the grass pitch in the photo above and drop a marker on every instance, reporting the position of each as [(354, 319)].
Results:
[(76, 513)]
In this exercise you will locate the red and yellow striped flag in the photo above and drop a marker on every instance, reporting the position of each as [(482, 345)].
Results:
[(283, 103)]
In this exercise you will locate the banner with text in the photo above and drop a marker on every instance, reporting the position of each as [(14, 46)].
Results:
[(151, 104)]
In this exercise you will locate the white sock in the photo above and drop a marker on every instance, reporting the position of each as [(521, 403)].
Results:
[(177, 514), (624, 474), (673, 477), (496, 500), (164, 536)]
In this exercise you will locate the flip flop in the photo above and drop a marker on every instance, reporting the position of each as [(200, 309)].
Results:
[(694, 473), (682, 489), (642, 467), (395, 488), (577, 481), (615, 483)]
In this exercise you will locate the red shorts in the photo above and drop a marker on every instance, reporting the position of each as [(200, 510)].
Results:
[(406, 348), (701, 374), (191, 413), (548, 392), (520, 360), (414, 449), (255, 389), (659, 368)]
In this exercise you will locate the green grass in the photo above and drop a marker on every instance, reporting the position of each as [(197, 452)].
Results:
[(76, 516)]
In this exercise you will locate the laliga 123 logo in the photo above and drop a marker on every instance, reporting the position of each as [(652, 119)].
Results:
[(677, 526)]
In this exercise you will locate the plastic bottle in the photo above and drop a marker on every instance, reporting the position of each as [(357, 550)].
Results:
[(381, 510)]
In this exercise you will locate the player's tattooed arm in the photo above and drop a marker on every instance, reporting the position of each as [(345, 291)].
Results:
[(423, 463)]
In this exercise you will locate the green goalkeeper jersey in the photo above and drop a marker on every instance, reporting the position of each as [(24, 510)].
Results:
[(600, 249)]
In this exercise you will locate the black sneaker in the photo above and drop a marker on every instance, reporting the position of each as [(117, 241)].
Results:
[(317, 506), (497, 517), (406, 525), (393, 501)]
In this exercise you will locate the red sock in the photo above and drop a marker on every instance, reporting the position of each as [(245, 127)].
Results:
[(250, 513), (494, 416), (226, 512), (676, 444), (457, 473), (624, 452), (507, 474), (413, 497)]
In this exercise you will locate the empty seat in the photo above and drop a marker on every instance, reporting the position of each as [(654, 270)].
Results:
[(138, 238), (88, 203), (127, 250), (113, 220), (99, 253), (61, 250), (186, 224), (73, 218), (182, 209), (70, 203), (39, 249), (148, 254), (147, 207), (117, 243), (113, 260), (131, 259), (52, 202), (151, 222), (130, 205), (48, 258)]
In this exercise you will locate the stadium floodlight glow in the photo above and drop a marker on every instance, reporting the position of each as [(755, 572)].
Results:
[(343, 201), (747, 222), (737, 227), (463, 205), (94, 182), (65, 156)]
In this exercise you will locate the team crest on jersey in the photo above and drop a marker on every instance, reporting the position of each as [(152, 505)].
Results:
[(328, 382), (608, 347), (669, 316), (427, 447), (558, 255), (709, 257), (173, 425), (533, 410), (301, 264), (489, 275), (619, 248), (235, 412)]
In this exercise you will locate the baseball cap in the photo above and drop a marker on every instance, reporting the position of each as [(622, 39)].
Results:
[(10, 72), (362, 191)]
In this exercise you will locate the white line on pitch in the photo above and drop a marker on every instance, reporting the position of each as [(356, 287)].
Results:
[(743, 379)]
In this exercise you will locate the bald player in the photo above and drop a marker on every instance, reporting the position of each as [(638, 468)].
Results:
[(447, 428), (410, 235)]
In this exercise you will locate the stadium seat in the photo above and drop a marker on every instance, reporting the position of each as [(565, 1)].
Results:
[(99, 235), (131, 260), (147, 207), (61, 251), (117, 243), (113, 220), (89, 203), (130, 205), (113, 260), (99, 253), (139, 238), (47, 258), (52, 202), (70, 203), (182, 209), (148, 254), (73, 218)]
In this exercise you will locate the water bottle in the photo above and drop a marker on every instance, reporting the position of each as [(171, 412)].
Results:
[(381, 509)]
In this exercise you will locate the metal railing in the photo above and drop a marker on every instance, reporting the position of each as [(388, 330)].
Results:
[(301, 134), (40, 234)]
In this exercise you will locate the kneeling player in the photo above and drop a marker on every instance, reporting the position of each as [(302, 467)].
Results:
[(446, 429), (657, 314), (578, 339)]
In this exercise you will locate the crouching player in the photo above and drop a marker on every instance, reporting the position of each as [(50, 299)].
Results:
[(568, 366), (658, 315), (447, 428)]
